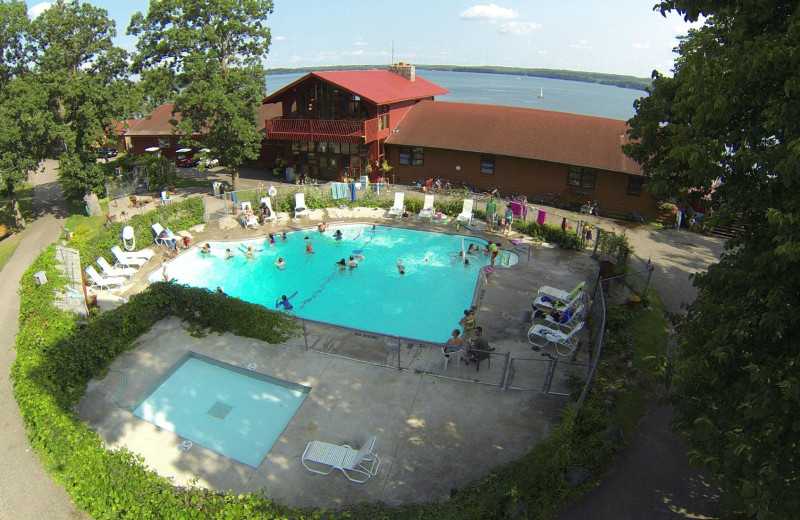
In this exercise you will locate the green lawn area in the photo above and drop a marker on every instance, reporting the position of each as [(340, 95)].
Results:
[(7, 248)]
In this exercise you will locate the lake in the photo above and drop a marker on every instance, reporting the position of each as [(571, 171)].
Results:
[(519, 91)]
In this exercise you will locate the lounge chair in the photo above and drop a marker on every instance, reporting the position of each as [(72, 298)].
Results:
[(399, 206), (466, 212), (159, 230), (561, 295), (300, 208), (322, 458), (541, 335), (268, 202), (127, 259), (427, 208), (545, 303), (251, 220), (103, 281), (111, 271), (165, 199)]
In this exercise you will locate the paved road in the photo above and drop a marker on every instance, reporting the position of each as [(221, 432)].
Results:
[(26, 491), (652, 479)]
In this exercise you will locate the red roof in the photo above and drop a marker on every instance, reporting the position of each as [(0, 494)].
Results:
[(158, 122), (588, 141), (378, 86)]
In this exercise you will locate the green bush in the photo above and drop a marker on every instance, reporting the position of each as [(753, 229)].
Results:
[(55, 360), (176, 216), (549, 233)]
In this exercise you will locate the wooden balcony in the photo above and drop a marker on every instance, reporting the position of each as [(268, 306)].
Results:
[(341, 131)]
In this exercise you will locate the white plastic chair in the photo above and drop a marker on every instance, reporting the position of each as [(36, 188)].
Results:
[(127, 259), (427, 207), (358, 466), (466, 212), (399, 207), (300, 208), (103, 281), (109, 270), (541, 335), (166, 199), (268, 202)]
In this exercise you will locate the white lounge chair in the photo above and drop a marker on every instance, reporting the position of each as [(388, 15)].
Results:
[(165, 199), (541, 335), (574, 308), (466, 212), (268, 202), (252, 220), (427, 207), (103, 281), (300, 208), (158, 229), (399, 207), (109, 270), (147, 254), (561, 295), (357, 466), (126, 259)]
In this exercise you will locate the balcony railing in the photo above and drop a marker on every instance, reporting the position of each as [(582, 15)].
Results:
[(322, 130)]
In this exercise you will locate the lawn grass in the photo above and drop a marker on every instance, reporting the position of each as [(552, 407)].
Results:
[(7, 248), (192, 183), (648, 330)]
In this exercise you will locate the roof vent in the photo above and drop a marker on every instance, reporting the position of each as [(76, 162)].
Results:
[(404, 69)]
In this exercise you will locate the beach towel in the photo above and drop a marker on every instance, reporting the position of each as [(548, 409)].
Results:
[(541, 218), (516, 209), (338, 190)]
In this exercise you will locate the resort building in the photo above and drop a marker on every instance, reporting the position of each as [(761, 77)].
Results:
[(336, 124)]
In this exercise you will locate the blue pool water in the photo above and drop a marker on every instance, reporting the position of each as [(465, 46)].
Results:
[(425, 304), (235, 412)]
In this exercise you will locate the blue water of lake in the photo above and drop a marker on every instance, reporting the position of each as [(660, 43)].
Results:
[(519, 91)]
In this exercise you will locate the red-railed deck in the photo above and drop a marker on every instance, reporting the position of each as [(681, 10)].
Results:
[(322, 130)]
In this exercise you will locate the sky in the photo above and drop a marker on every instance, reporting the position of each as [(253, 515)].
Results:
[(616, 37)]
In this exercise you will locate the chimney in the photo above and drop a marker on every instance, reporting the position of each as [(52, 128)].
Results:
[(405, 70)]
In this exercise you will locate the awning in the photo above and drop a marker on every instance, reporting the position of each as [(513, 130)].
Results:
[(152, 149), (183, 150)]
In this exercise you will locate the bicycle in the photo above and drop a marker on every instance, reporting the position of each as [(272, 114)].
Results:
[(636, 217), (591, 209)]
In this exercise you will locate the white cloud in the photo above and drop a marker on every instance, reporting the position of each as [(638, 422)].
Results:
[(38, 9), (359, 42), (542, 53), (642, 46), (582, 45), (279, 38), (517, 28), (489, 12)]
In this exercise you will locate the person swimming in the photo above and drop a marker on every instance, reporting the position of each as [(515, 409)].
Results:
[(309, 249), (353, 263), (341, 264), (337, 234), (284, 302), (206, 248), (400, 267), (280, 263), (228, 254)]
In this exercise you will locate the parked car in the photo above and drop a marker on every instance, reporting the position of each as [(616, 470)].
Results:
[(105, 152), (186, 161)]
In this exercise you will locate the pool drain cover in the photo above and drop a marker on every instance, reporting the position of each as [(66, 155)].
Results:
[(220, 410)]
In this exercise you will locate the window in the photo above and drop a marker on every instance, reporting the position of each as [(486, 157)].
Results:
[(635, 185), (405, 155), (417, 156), (487, 164), (383, 122), (163, 142), (581, 177)]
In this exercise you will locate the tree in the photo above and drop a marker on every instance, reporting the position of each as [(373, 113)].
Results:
[(77, 63), (24, 120), (215, 50), (730, 113)]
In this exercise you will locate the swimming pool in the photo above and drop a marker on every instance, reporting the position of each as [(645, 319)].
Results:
[(235, 412), (425, 303)]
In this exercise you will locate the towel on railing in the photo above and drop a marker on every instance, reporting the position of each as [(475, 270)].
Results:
[(338, 190), (516, 209), (541, 218)]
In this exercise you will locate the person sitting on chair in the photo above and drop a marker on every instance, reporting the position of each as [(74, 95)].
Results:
[(479, 347)]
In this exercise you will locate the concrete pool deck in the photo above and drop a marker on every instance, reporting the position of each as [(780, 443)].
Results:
[(435, 434)]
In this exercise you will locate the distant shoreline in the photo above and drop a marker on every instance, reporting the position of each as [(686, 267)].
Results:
[(615, 80)]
